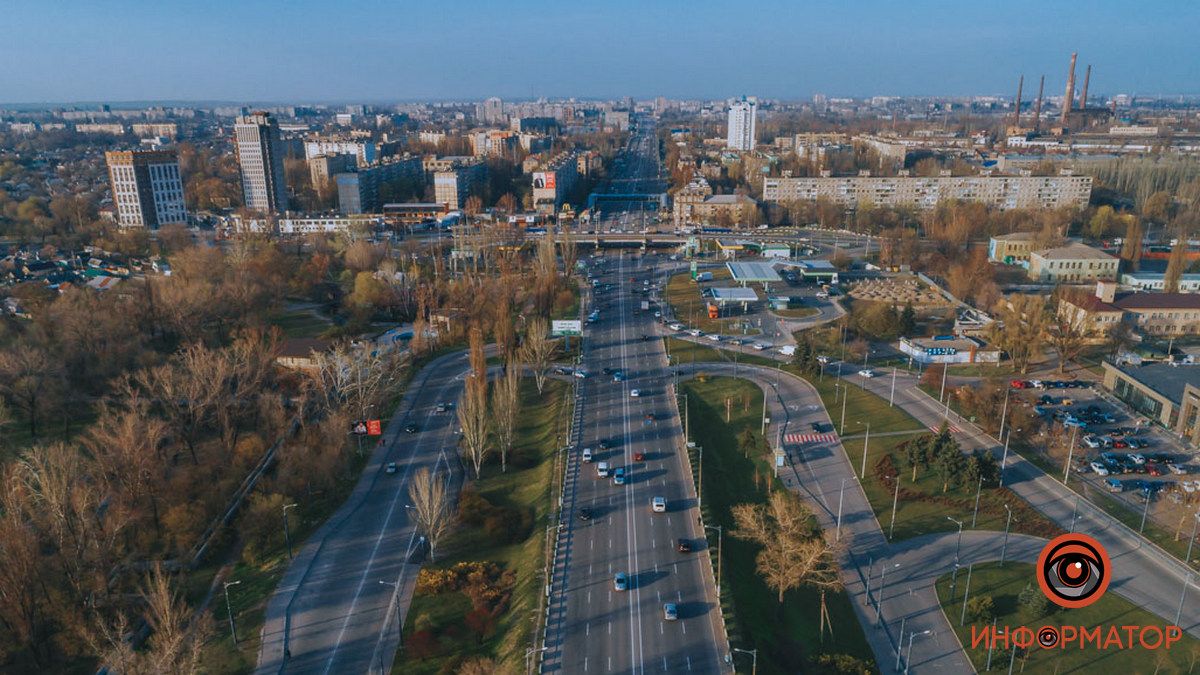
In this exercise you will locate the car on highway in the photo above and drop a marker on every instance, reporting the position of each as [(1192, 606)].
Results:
[(676, 326), (1099, 468), (441, 408), (695, 332), (760, 346), (619, 476), (714, 337), (620, 582), (410, 428), (635, 393), (585, 513), (867, 372), (391, 468), (587, 454), (683, 546), (658, 505), (618, 376), (602, 470), (670, 612), (639, 456)]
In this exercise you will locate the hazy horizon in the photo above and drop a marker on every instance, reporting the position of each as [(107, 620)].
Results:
[(368, 51)]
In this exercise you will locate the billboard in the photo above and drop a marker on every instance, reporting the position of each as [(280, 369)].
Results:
[(543, 179), (564, 327)]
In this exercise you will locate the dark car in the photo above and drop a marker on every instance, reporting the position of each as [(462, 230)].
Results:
[(585, 513), (684, 546), (410, 428)]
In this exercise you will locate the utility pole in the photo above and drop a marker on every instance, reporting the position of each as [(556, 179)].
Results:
[(866, 440), (287, 535), (720, 534), (841, 495), (892, 397), (957, 550), (895, 499), (1007, 523), (978, 490)]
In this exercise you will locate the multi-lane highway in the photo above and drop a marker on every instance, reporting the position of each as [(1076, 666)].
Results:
[(330, 612), (631, 425)]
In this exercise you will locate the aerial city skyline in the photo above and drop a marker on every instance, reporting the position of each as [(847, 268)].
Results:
[(480, 338)]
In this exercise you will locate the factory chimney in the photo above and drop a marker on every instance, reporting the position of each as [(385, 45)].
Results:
[(1087, 76), (1069, 96), (1037, 109), (1017, 107)]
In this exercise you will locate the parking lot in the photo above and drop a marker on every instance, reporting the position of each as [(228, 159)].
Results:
[(1114, 451)]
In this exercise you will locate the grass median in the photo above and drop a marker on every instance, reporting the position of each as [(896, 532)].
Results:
[(443, 629), (1004, 586), (786, 634)]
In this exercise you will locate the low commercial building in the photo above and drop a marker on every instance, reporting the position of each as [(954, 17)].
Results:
[(948, 349), (1168, 394), (414, 213), (1153, 281), (1072, 263), (1159, 314), (1011, 248), (695, 203)]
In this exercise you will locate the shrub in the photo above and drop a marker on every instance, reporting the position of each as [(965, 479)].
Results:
[(981, 609), (842, 664), (1033, 602)]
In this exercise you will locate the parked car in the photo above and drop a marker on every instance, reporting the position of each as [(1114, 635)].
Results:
[(1099, 468), (1177, 469), (1153, 469), (1091, 442), (1137, 458), (1114, 485)]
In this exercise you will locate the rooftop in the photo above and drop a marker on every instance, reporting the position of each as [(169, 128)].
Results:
[(729, 199), (1074, 251), (1163, 378), (1016, 236), (734, 294), (752, 271), (1158, 301)]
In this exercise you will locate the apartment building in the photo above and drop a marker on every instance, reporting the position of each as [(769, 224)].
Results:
[(364, 151), (322, 168), (695, 204), (260, 158), (146, 187), (359, 191), (554, 182), (452, 187), (1002, 192), (742, 124)]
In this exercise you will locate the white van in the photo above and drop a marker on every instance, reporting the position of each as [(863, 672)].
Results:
[(602, 470), (587, 454)]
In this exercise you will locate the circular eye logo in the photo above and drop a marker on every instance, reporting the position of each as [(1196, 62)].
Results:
[(1047, 637), (1073, 570)]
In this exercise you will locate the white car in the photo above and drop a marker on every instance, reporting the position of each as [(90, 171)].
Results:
[(587, 454), (823, 360), (676, 326), (867, 372), (658, 505), (1099, 468), (634, 393), (391, 468), (714, 337), (759, 346), (822, 295), (1188, 486), (1092, 442), (1137, 458), (695, 332), (1177, 469)]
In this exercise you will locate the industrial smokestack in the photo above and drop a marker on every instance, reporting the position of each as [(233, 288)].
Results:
[(1069, 96), (1017, 107), (1087, 76), (1037, 109)]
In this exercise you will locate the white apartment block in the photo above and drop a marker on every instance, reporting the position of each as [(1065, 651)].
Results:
[(260, 157), (741, 133), (146, 187), (1002, 192)]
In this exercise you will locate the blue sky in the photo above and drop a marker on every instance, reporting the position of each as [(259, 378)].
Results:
[(331, 50)]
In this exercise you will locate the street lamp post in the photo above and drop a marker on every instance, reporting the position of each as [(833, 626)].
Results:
[(845, 397), (1070, 454), (287, 535), (754, 654), (866, 440), (942, 393), (895, 501), (720, 534), (1195, 521), (908, 659), (530, 652), (229, 611), (978, 490), (900, 643), (1004, 413), (1004, 457), (957, 550), (1145, 510), (841, 496), (882, 590), (1007, 522), (892, 396)]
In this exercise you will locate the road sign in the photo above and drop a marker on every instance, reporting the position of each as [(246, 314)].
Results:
[(566, 327), (374, 428)]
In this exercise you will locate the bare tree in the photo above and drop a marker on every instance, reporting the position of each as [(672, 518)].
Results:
[(506, 406), (1020, 328), (472, 408), (538, 350), (31, 380), (1067, 333), (568, 250), (175, 645), (1176, 264), (431, 502), (791, 555), (357, 378)]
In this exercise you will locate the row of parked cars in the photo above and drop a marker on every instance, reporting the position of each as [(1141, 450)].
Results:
[(1049, 384), (1154, 464)]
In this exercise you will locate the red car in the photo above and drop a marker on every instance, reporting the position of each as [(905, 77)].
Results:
[(1152, 469), (639, 456), (1019, 384), (1120, 444)]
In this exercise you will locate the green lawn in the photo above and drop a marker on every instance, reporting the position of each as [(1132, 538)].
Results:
[(796, 312), (1004, 584), (682, 351), (787, 634), (301, 324), (527, 489)]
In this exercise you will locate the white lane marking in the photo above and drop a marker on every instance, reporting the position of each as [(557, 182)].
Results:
[(585, 664), (589, 597), (610, 663), (689, 662), (664, 658)]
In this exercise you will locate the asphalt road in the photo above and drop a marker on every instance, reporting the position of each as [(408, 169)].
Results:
[(330, 603), (593, 627)]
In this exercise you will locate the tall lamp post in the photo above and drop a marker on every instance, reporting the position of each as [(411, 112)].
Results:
[(753, 653), (229, 611), (882, 590), (841, 495), (1007, 522), (908, 659), (287, 534), (866, 439), (957, 550)]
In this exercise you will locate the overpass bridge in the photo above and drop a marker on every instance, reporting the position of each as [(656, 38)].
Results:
[(659, 199)]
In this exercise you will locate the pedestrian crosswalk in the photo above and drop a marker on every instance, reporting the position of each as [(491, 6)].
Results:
[(937, 427), (810, 438)]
